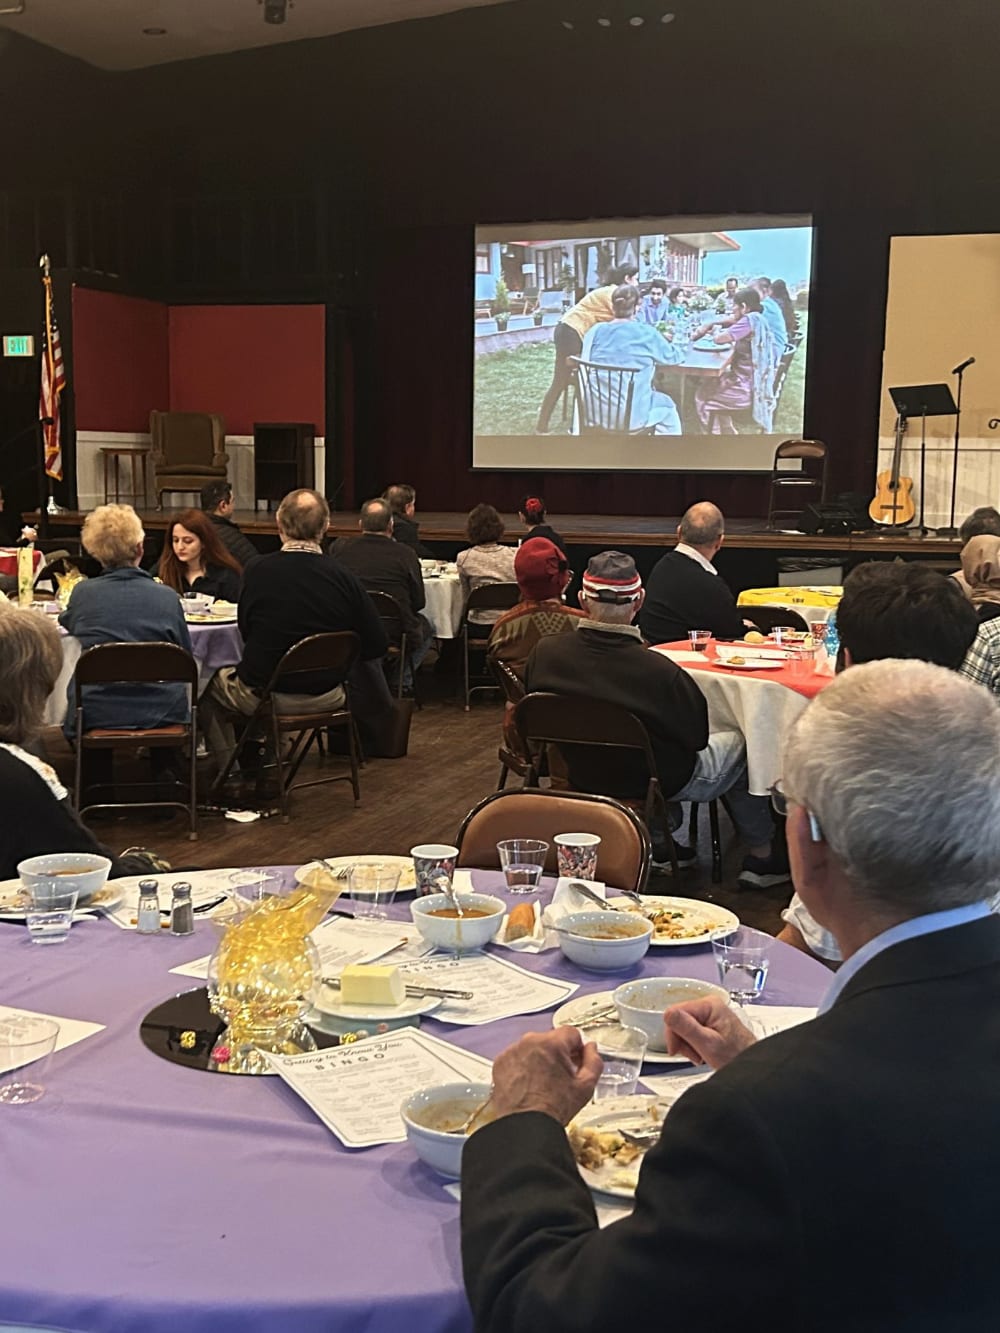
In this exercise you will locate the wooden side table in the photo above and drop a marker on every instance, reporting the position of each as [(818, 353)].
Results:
[(114, 455)]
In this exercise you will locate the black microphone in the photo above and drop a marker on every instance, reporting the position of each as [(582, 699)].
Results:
[(969, 361)]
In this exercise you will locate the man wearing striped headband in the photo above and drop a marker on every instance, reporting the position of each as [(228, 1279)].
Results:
[(606, 659)]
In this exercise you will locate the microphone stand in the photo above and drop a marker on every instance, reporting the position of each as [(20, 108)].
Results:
[(951, 530)]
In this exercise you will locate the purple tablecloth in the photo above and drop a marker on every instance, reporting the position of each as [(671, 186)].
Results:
[(141, 1197)]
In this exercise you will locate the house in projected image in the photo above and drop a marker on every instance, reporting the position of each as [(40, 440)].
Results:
[(571, 268)]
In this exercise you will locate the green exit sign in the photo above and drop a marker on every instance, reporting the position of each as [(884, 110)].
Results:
[(18, 344)]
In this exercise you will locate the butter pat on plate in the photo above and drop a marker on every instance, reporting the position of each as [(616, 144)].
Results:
[(370, 984)]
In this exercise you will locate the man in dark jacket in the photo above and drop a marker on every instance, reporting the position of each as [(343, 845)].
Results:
[(684, 591), (818, 1175), (217, 502), (606, 659)]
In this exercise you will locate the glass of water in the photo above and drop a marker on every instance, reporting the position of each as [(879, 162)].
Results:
[(51, 912), (742, 959), (623, 1051), (26, 1042), (522, 860), (373, 889)]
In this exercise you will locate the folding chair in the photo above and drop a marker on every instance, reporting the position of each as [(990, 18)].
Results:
[(134, 664), (767, 618), (487, 597), (391, 615), (333, 653), (513, 692)]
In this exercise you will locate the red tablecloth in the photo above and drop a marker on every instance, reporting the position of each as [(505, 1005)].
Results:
[(8, 560), (808, 686)]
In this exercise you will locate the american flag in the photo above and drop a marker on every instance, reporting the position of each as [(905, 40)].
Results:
[(53, 383)]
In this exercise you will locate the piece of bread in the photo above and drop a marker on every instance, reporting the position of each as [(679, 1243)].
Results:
[(521, 922), (754, 636)]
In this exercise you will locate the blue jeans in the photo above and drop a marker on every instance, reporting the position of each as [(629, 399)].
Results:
[(721, 770)]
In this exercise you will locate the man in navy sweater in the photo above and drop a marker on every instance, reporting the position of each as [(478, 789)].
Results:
[(684, 591)]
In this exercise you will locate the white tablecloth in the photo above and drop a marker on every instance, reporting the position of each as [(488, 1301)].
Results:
[(760, 708), (443, 607)]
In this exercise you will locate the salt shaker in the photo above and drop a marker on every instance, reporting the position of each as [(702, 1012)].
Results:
[(148, 915), (181, 911)]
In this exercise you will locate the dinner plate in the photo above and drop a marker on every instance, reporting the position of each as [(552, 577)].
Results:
[(575, 1011), (407, 875), (206, 618), (327, 1000), (638, 1112), (13, 905), (752, 664), (718, 921)]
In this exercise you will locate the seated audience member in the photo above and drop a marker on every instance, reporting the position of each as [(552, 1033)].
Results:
[(37, 815), (217, 502), (981, 574), (532, 515), (485, 561), (606, 659), (899, 610), (982, 664), (124, 605), (982, 522), (626, 342), (383, 565), (194, 559), (768, 1187), (288, 595), (684, 590), (405, 528)]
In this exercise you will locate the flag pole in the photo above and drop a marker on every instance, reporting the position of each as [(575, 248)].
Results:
[(44, 481)]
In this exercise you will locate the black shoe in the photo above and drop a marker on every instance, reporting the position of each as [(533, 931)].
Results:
[(686, 858), (763, 872)]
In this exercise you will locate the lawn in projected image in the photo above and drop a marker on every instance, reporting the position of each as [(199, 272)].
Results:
[(712, 341)]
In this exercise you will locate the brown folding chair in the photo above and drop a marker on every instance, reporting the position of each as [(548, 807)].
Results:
[(513, 692), (391, 615), (134, 664), (623, 856), (333, 653), (767, 618), (487, 597), (565, 722), (809, 482)]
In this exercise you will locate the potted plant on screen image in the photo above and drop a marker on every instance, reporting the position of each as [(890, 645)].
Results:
[(501, 305), (567, 281)]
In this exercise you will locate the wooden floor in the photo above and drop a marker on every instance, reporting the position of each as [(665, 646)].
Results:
[(451, 765)]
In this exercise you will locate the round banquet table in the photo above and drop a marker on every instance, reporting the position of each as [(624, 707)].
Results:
[(443, 605), (143, 1197), (811, 602), (212, 646)]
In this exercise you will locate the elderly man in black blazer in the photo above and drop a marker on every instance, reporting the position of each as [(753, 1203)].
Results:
[(837, 1176), (684, 591)]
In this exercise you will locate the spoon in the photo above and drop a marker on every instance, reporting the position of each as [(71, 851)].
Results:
[(585, 891), (466, 1126), (449, 892)]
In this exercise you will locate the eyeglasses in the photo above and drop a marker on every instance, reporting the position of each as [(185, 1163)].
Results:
[(780, 801)]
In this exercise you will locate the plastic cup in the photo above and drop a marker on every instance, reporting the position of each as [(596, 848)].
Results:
[(50, 915), (25, 1045), (801, 662), (699, 639), (576, 855), (432, 863), (373, 888), (743, 959), (623, 1051), (522, 860)]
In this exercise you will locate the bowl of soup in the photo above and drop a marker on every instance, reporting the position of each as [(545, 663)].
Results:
[(439, 923), (641, 1004), (605, 941), (433, 1118), (82, 871)]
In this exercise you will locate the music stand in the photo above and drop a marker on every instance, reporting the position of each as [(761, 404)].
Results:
[(923, 401)]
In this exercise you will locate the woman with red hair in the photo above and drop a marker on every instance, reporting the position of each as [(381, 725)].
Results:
[(195, 560)]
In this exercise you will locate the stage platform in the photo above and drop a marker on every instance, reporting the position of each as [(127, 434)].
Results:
[(595, 530)]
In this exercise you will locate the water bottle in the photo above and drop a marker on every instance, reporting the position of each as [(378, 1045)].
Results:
[(831, 642)]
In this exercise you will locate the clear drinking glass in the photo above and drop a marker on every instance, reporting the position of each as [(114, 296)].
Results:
[(51, 912), (521, 860), (801, 661), (623, 1051), (699, 639), (372, 887), (24, 1042), (742, 959), (576, 855)]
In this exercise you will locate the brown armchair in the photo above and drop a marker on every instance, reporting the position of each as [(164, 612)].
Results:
[(188, 450)]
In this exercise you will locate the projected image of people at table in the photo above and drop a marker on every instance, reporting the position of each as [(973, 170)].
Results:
[(648, 344)]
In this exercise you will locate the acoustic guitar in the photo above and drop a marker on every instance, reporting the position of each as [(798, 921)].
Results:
[(893, 504)]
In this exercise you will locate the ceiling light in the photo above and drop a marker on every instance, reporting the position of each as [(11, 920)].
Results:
[(604, 23), (668, 18), (567, 25), (275, 10), (636, 21), (154, 32)]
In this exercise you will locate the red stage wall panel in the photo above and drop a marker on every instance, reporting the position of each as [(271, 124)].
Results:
[(119, 371), (249, 363)]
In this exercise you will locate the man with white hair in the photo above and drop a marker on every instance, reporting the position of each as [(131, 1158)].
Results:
[(685, 590), (835, 1176), (606, 659)]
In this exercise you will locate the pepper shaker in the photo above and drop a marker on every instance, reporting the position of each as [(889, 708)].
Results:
[(148, 915), (181, 911)]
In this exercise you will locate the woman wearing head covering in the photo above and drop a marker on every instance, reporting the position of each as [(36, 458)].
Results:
[(532, 515), (981, 570)]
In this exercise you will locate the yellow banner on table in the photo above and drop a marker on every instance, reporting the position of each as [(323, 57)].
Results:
[(805, 596)]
